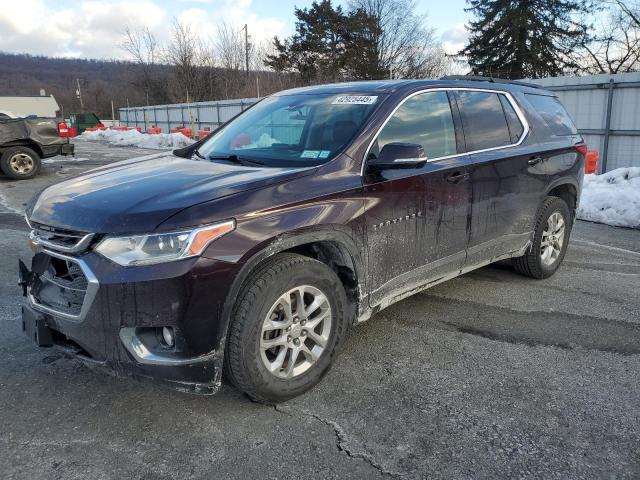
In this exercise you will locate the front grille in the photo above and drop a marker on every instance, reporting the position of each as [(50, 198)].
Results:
[(61, 287), (61, 240)]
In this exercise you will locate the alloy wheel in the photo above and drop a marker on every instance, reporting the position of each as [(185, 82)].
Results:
[(552, 239), (295, 332)]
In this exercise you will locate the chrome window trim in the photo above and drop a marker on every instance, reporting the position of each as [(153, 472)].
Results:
[(89, 296), (508, 95)]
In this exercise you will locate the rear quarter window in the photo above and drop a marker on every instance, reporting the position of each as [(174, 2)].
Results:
[(553, 113)]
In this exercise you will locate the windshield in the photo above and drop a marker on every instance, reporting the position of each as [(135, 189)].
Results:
[(292, 130)]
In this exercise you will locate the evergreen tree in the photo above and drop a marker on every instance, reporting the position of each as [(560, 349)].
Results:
[(329, 44), (523, 38)]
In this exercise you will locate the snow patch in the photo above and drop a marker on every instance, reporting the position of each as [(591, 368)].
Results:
[(60, 158), (612, 198), (133, 138)]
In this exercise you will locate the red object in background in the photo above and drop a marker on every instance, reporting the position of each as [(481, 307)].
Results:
[(187, 132), (154, 130), (65, 131), (241, 140), (203, 133), (591, 160)]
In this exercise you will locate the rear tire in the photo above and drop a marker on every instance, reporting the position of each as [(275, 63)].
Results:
[(277, 349), (550, 240), (20, 163)]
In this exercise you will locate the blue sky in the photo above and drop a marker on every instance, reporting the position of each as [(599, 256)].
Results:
[(94, 28)]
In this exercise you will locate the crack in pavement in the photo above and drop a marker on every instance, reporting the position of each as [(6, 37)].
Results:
[(342, 442)]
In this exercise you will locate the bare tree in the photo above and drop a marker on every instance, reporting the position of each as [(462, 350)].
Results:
[(405, 47), (616, 48), (631, 9), (193, 65), (148, 75), (229, 45), (613, 43)]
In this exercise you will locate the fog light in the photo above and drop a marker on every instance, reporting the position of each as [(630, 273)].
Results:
[(168, 336)]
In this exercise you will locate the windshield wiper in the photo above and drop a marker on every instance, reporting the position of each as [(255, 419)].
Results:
[(235, 159), (198, 154)]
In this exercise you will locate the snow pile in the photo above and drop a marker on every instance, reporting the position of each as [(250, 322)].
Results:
[(612, 198), (133, 138)]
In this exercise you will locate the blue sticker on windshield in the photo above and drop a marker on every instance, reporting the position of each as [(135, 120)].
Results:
[(324, 153), (310, 154)]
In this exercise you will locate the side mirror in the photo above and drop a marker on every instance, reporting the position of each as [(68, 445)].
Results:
[(399, 155)]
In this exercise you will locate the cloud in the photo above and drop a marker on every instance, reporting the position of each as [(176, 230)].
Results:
[(94, 28), (454, 39), (91, 29), (235, 13)]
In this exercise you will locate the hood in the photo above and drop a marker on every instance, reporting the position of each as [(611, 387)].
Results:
[(135, 196)]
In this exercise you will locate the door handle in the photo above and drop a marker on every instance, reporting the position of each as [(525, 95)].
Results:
[(457, 177), (534, 161)]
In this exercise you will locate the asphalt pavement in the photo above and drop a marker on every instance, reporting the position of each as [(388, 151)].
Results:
[(490, 375)]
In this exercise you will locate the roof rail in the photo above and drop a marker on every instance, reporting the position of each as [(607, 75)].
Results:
[(477, 78)]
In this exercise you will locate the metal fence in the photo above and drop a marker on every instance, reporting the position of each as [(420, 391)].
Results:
[(199, 114), (606, 110)]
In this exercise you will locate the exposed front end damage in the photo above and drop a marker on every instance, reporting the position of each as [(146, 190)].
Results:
[(111, 318)]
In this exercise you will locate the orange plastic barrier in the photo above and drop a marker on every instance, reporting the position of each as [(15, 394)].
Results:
[(187, 132), (124, 129), (591, 161), (203, 133), (154, 130)]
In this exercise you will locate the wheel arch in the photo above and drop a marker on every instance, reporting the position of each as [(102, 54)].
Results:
[(328, 244), (567, 191), (23, 143)]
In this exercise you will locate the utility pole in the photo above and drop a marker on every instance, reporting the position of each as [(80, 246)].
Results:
[(113, 115), (246, 47), (79, 94)]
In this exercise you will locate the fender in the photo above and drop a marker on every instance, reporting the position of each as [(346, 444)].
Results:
[(286, 241)]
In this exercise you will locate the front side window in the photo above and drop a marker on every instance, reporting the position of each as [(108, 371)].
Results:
[(424, 119), (293, 130), (484, 121)]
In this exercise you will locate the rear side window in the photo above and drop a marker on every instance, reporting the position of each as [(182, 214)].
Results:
[(484, 120), (552, 111)]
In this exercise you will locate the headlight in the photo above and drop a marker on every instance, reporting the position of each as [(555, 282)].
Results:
[(162, 247)]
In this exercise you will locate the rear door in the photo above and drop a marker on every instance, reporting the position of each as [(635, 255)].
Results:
[(505, 192), (416, 219)]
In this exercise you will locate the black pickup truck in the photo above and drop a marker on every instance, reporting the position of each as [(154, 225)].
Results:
[(24, 141)]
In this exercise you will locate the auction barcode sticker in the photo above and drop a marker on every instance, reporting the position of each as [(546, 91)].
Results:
[(355, 100)]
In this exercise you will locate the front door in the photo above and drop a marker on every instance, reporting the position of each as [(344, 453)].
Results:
[(416, 218)]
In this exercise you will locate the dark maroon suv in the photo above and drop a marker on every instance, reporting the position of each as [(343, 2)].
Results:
[(250, 254)]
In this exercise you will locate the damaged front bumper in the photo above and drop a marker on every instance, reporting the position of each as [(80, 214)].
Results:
[(111, 317)]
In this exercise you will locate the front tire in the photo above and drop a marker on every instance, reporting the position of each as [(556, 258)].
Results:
[(287, 326), (550, 240), (20, 163)]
